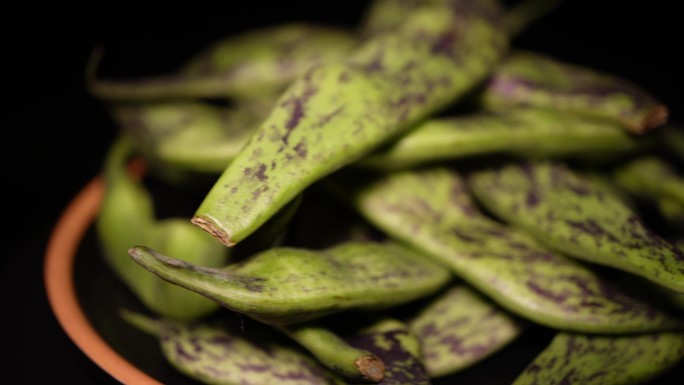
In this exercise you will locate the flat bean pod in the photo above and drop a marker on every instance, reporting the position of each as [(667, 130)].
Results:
[(431, 209), (596, 359), (340, 111), (522, 132), (460, 328), (247, 65), (579, 217), (527, 78), (284, 285), (225, 351)]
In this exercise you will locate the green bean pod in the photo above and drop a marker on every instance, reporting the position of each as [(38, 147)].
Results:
[(577, 216), (127, 218), (431, 209), (193, 136), (340, 111), (225, 351), (527, 78), (285, 285), (250, 64), (459, 328), (596, 359), (521, 132), (351, 363)]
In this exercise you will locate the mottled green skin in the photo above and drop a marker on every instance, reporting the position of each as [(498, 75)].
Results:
[(247, 65), (284, 285), (460, 328), (431, 209), (338, 112), (126, 218), (335, 353), (604, 360), (654, 179), (579, 217), (399, 348), (522, 132), (383, 16), (192, 136), (231, 351), (527, 78)]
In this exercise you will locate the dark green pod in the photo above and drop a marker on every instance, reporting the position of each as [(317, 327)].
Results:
[(351, 363), (232, 351), (250, 64), (286, 285), (572, 213), (127, 218), (432, 210), (460, 328), (193, 136), (602, 360), (653, 179), (340, 111), (522, 132), (527, 78)]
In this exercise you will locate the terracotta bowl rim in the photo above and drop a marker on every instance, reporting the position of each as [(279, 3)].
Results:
[(60, 255)]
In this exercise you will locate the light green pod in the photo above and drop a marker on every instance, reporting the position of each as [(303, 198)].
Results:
[(521, 132), (252, 63), (431, 209), (338, 112), (384, 16), (285, 285), (397, 346), (232, 351), (193, 136), (126, 218), (332, 351), (604, 360), (460, 328), (527, 78), (579, 217)]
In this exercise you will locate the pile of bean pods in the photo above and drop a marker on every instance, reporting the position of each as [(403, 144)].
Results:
[(397, 203)]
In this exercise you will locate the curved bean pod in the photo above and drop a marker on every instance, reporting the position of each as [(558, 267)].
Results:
[(527, 78), (594, 360), (127, 218), (521, 132), (579, 217), (338, 112), (253, 63), (431, 209), (285, 285), (224, 351)]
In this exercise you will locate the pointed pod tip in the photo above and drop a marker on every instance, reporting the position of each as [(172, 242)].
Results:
[(144, 255)]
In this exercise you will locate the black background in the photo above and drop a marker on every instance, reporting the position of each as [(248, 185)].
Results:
[(55, 134)]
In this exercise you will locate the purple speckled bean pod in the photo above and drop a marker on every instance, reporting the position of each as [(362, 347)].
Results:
[(527, 78), (431, 209), (285, 285), (601, 360), (247, 65), (340, 111), (573, 214), (459, 328), (232, 351)]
